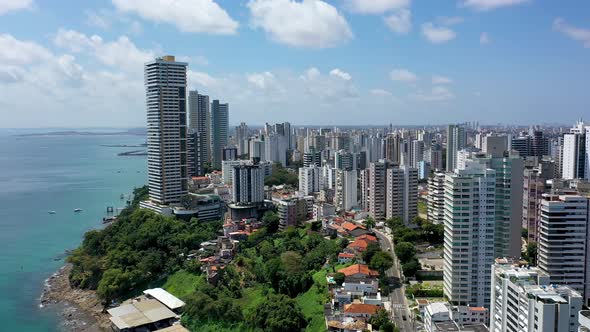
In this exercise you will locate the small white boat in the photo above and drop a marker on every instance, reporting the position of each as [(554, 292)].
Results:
[(51, 212), (77, 210)]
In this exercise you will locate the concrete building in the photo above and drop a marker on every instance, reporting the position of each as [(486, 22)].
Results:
[(436, 198), (575, 156), (345, 160), (219, 131), (257, 149), (312, 157), (456, 141), (469, 220), (376, 196), (275, 148), (434, 156), (309, 180), (248, 184), (401, 193), (523, 299), (200, 129), (165, 83), (242, 135), (345, 192), (417, 153), (535, 184), (563, 249), (423, 170), (393, 148)]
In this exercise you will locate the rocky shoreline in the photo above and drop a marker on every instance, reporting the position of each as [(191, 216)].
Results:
[(79, 309)]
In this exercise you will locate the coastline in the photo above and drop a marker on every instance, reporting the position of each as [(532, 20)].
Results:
[(79, 309)]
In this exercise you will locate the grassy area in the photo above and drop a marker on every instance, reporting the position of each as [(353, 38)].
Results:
[(422, 209), (312, 302), (183, 283), (251, 297)]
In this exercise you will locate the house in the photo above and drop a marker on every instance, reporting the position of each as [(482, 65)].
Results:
[(360, 310), (346, 324), (141, 314), (170, 301), (345, 257), (436, 312), (359, 271), (367, 237), (348, 226), (358, 245)]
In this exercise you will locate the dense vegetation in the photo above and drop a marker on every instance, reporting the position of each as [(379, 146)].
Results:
[(281, 175), (405, 238), (139, 248)]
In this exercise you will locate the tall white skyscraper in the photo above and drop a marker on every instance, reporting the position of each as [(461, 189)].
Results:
[(165, 83), (401, 193), (377, 188), (470, 218), (309, 180), (523, 299), (275, 148), (436, 198), (345, 197), (219, 131), (199, 131), (242, 138), (456, 140), (248, 184), (575, 157), (563, 248)]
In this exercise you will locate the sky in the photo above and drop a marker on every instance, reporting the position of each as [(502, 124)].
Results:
[(331, 62)]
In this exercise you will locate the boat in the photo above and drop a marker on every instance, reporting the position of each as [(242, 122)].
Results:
[(51, 212), (77, 210), (107, 220)]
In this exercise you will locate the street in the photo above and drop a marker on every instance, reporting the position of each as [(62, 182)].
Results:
[(397, 298)]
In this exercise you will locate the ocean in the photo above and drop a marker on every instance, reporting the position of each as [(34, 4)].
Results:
[(53, 173)]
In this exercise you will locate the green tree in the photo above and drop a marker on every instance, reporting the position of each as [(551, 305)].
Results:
[(276, 313), (113, 284), (531, 253), (405, 251), (370, 222), (381, 261), (270, 220), (339, 278), (381, 321), (371, 250), (411, 267), (524, 233)]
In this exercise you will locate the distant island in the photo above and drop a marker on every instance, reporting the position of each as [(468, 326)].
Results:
[(133, 153), (134, 132)]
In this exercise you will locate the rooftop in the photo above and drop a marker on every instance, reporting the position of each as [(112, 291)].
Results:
[(165, 298), (358, 269), (141, 311), (360, 308)]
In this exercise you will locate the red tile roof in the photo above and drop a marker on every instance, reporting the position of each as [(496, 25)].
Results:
[(360, 308), (360, 245), (358, 269), (345, 255), (367, 237), (349, 226)]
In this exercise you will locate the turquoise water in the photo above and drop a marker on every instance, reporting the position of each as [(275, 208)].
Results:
[(61, 173)]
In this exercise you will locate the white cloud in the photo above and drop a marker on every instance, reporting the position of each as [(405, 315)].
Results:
[(14, 5), (380, 92), (202, 79), (575, 33), (17, 52), (484, 38), (403, 75), (437, 35), (341, 74), (400, 21), (311, 23), (261, 80), (437, 93), (121, 53), (487, 5), (375, 6), (187, 15), (10, 74), (105, 19), (437, 79), (199, 60)]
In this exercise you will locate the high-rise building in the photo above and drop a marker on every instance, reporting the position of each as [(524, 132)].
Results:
[(470, 218), (456, 140), (376, 199), (533, 144), (563, 248), (434, 156), (346, 196), (401, 193), (309, 180), (196, 152), (345, 160), (436, 198), (534, 186), (523, 299), (257, 149), (417, 153), (219, 131), (248, 184), (393, 148), (312, 157), (165, 83), (200, 116), (275, 148), (575, 157), (242, 134)]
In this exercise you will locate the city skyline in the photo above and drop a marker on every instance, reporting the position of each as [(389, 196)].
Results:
[(494, 60)]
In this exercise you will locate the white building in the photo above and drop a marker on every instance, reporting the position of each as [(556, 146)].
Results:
[(575, 157), (524, 300), (227, 170), (309, 180), (219, 131), (275, 148), (401, 193), (456, 141), (242, 134), (563, 248), (435, 312), (248, 184), (346, 190), (469, 217), (376, 195), (200, 125), (436, 198), (165, 83)]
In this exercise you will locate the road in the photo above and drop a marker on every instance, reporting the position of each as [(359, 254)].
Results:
[(397, 296)]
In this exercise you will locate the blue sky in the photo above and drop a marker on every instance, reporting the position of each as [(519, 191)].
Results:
[(79, 63)]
